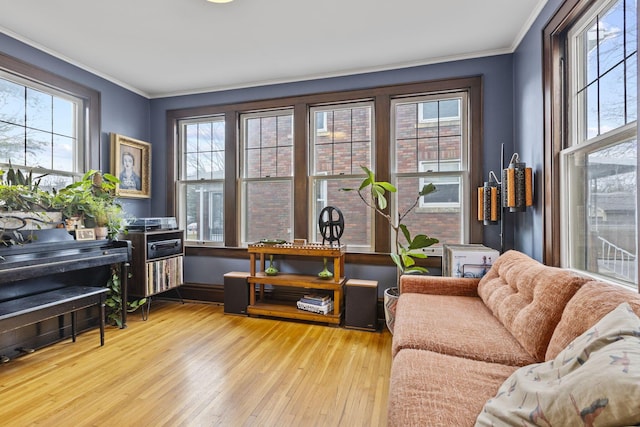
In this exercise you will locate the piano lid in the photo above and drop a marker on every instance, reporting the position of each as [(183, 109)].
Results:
[(52, 252)]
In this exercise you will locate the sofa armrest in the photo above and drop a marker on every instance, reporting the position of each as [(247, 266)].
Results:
[(437, 285)]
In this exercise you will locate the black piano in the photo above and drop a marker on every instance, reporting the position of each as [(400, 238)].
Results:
[(51, 260)]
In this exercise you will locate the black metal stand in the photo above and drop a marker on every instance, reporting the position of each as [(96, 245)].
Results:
[(145, 315), (501, 201)]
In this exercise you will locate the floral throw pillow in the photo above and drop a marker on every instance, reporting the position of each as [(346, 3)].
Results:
[(595, 381)]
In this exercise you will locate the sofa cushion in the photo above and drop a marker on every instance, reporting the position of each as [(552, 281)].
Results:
[(432, 389), (590, 304), (439, 285), (456, 325), (594, 381), (528, 298)]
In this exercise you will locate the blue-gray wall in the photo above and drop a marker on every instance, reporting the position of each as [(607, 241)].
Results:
[(497, 123), (498, 105), (529, 129), (123, 111)]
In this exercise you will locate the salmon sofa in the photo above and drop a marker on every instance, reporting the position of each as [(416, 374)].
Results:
[(509, 349)]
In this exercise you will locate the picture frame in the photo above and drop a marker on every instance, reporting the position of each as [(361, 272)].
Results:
[(131, 164), (85, 234)]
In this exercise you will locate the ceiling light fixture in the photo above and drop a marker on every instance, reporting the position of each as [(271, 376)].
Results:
[(220, 1)]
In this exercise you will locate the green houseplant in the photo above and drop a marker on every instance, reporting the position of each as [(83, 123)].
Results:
[(93, 199), (114, 299), (20, 192), (23, 203), (374, 194)]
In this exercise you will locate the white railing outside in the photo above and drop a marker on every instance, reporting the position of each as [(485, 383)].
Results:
[(618, 260)]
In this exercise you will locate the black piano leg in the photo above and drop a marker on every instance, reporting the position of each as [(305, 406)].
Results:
[(73, 326), (102, 315)]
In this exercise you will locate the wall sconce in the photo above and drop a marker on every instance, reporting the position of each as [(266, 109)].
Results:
[(517, 185), (489, 205), (514, 192)]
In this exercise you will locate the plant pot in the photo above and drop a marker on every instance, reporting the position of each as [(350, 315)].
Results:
[(391, 296), (101, 232)]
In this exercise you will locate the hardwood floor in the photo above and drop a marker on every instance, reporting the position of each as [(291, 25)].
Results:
[(192, 365)]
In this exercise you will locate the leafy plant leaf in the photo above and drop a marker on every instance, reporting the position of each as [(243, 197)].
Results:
[(416, 269), (405, 232), (396, 259), (377, 193), (427, 189), (422, 241), (420, 255), (387, 186)]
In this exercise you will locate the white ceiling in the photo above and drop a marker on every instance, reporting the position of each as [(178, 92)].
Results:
[(169, 47)]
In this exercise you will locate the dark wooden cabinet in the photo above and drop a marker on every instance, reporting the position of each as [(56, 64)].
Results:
[(157, 261)]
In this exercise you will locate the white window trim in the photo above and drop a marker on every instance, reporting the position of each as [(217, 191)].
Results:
[(323, 129), (325, 176), (182, 182), (421, 118), (579, 143), (80, 161), (600, 142), (455, 179), (465, 174), (243, 180)]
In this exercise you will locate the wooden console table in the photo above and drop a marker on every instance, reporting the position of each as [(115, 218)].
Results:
[(259, 306)]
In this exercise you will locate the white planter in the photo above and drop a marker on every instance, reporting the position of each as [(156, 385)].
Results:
[(101, 232), (391, 296)]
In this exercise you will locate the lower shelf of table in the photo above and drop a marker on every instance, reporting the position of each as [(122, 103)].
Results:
[(289, 311)]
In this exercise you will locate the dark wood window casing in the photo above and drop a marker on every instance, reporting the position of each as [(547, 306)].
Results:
[(381, 96)]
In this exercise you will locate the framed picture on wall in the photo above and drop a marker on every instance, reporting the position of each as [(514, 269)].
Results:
[(131, 163)]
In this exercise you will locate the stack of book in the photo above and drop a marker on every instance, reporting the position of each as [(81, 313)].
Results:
[(322, 304)]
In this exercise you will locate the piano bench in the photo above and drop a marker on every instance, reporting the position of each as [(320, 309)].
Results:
[(35, 308)]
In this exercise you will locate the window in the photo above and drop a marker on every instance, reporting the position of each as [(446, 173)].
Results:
[(597, 183), (342, 137), (435, 111), (320, 124), (201, 187), (599, 161), (290, 156), (431, 141), (267, 175), (41, 130), (448, 187)]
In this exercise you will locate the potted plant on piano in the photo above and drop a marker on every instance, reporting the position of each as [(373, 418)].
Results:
[(93, 201), (374, 194), (24, 205), (108, 218)]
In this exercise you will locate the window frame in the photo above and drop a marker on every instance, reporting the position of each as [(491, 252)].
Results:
[(90, 108), (451, 177), (243, 180), (462, 176), (182, 182), (422, 119), (557, 125), (381, 95), (324, 177)]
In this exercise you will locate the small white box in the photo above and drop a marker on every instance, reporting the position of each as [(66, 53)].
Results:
[(467, 260)]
